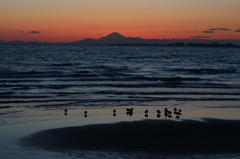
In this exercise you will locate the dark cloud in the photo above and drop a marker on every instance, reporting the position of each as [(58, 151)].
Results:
[(238, 30), (200, 37), (190, 31), (34, 32), (21, 31), (208, 31), (225, 29)]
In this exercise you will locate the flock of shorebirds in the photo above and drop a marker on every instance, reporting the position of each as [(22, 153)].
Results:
[(129, 112), (167, 113)]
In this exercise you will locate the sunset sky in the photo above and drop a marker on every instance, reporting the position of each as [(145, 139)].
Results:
[(73, 20)]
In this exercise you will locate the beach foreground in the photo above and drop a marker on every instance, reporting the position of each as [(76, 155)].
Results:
[(166, 137)]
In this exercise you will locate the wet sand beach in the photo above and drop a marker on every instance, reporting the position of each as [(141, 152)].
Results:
[(169, 137), (101, 134)]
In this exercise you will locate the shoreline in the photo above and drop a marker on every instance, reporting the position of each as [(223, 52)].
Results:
[(13, 116)]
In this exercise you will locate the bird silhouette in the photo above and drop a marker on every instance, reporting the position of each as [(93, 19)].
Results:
[(166, 110)]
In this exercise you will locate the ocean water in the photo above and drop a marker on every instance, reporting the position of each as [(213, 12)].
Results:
[(37, 82), (106, 76)]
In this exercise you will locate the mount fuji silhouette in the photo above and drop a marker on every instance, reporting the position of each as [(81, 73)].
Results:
[(116, 38)]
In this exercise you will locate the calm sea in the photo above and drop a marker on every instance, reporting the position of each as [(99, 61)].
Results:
[(107, 76)]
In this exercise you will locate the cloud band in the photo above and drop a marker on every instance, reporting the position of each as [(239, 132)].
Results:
[(34, 32)]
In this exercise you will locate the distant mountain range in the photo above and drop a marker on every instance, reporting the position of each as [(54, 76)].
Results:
[(117, 39)]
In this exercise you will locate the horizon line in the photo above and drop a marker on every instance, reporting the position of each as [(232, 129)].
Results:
[(190, 38)]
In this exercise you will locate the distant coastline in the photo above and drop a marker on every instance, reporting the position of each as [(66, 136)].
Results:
[(120, 40), (183, 45)]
